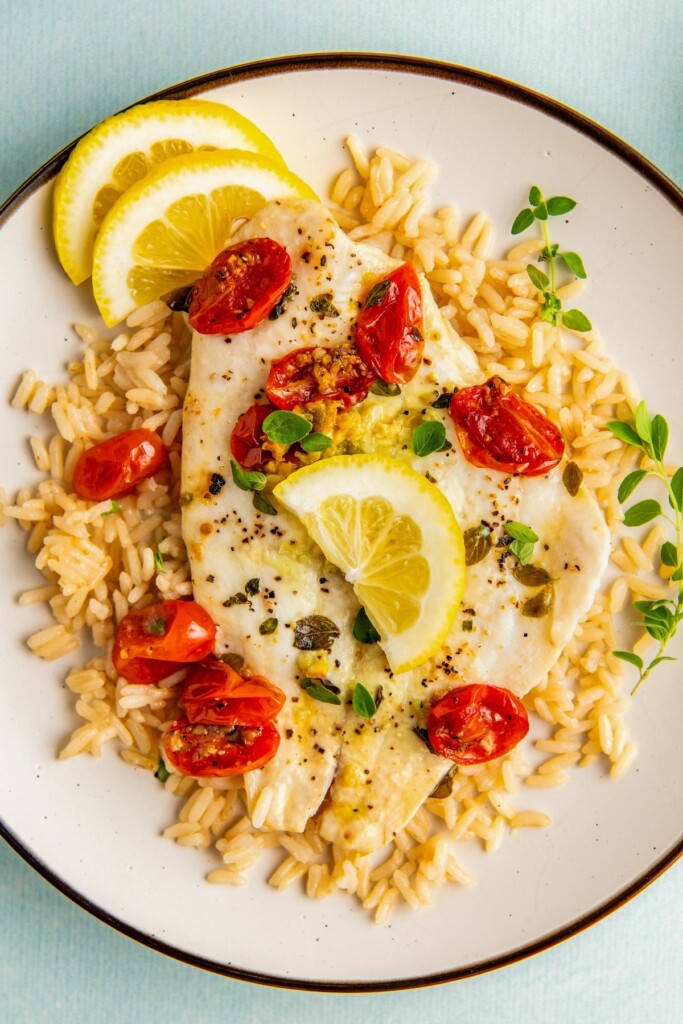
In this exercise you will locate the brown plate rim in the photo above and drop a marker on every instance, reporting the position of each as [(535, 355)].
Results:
[(489, 83)]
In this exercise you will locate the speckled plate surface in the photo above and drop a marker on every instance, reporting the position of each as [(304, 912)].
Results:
[(92, 827)]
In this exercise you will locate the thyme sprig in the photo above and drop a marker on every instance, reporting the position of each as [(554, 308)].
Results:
[(661, 617), (551, 306)]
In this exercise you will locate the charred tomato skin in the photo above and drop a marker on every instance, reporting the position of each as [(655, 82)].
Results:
[(112, 468), (498, 430), (214, 694), (241, 287), (216, 751), (389, 330), (476, 723), (153, 642), (319, 374)]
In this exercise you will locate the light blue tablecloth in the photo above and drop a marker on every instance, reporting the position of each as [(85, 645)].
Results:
[(65, 64)]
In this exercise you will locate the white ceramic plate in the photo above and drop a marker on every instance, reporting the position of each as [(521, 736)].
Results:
[(93, 826)]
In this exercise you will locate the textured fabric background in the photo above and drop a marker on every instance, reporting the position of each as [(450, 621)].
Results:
[(64, 65)]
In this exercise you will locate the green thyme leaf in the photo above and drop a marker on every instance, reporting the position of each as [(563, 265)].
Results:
[(625, 432), (537, 277), (321, 689), (642, 512), (315, 633), (559, 205), (316, 442), (113, 509), (630, 657), (162, 773), (247, 480), (572, 477), (477, 540), (676, 496), (539, 605), (522, 221), (363, 704), (285, 428), (629, 483), (535, 195), (363, 629), (157, 627), (268, 626), (660, 437), (531, 575), (541, 212), (234, 660), (575, 320), (428, 438), (668, 554), (385, 389), (574, 263), (443, 401), (377, 293), (261, 504), (158, 561)]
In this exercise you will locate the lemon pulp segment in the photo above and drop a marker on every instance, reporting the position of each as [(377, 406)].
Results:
[(167, 228), (395, 538), (122, 150)]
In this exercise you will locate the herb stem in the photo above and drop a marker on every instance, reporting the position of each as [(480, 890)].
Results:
[(551, 258)]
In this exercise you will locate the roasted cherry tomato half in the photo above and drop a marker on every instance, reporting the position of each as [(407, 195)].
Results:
[(158, 640), (476, 723), (214, 751), (240, 287), (499, 430), (214, 694), (247, 438), (317, 374), (113, 468), (389, 328)]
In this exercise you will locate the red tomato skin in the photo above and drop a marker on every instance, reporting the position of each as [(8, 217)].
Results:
[(241, 287), (246, 440), (214, 694), (389, 331), (142, 653), (498, 430), (205, 751), (112, 468), (476, 723), (318, 374)]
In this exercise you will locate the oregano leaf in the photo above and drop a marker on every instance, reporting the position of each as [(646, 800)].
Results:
[(522, 221), (642, 512), (629, 484)]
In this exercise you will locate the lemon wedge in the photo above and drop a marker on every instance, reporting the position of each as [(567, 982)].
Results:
[(394, 536), (167, 228), (122, 150)]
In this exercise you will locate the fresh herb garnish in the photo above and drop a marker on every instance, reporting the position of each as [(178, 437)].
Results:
[(286, 427), (477, 541), (385, 389), (268, 626), (113, 509), (363, 629), (323, 305), (316, 442), (661, 617), (429, 437), (156, 626), (158, 561), (281, 304), (551, 307), (315, 633), (377, 293), (261, 504), (321, 689), (523, 541), (247, 479), (162, 773), (363, 704), (238, 598)]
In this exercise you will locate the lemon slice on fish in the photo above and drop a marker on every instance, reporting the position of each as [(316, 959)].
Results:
[(167, 228), (394, 536), (122, 150)]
